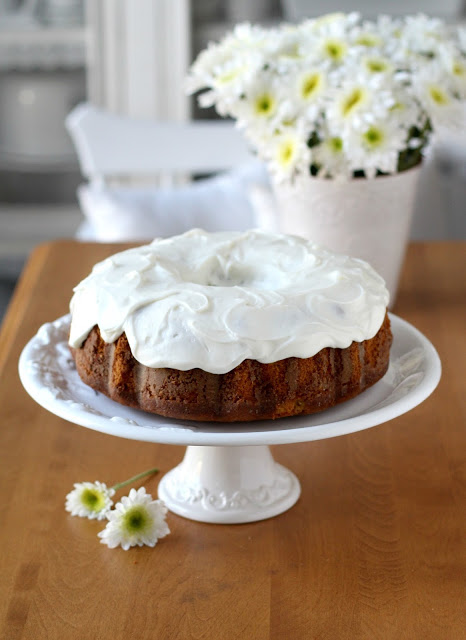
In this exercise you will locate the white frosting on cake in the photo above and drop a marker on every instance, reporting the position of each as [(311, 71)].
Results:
[(212, 300)]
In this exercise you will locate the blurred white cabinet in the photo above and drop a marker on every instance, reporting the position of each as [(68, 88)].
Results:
[(138, 56)]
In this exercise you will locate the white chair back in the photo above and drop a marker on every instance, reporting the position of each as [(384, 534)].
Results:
[(116, 146)]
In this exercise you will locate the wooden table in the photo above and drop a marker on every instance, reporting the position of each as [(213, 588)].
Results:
[(373, 549)]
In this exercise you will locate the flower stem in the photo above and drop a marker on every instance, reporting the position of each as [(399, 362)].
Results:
[(119, 485)]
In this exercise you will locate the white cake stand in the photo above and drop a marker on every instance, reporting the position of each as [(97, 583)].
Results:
[(228, 474)]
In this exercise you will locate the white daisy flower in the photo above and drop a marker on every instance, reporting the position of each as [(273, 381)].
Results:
[(330, 158), (377, 148), (327, 37), (458, 71), (290, 154), (367, 39), (349, 106), (90, 500), (350, 101), (458, 67), (435, 92), (261, 102), (407, 110), (137, 520), (359, 101), (230, 74), (310, 85), (337, 25), (452, 66), (286, 49), (251, 35), (329, 20), (334, 49), (94, 499), (422, 34), (437, 95)]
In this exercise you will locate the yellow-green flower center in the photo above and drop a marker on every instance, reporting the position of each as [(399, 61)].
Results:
[(264, 104), (311, 85), (353, 100), (438, 95), (458, 68), (368, 40), (334, 49), (93, 500), (286, 152), (377, 65), (374, 137), (336, 144), (228, 76), (136, 520)]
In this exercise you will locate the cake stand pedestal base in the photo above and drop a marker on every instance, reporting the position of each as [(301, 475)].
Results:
[(230, 484)]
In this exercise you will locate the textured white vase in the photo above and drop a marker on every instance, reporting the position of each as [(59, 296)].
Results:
[(368, 219)]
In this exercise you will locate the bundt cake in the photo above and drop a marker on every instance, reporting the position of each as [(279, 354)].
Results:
[(230, 327)]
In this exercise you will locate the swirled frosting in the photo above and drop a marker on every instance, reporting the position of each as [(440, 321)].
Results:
[(212, 300)]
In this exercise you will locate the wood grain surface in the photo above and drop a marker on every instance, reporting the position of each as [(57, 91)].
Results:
[(374, 549)]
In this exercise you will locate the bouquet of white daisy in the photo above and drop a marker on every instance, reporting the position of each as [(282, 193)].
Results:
[(337, 96)]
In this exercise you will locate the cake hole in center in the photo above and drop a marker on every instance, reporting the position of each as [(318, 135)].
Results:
[(238, 276)]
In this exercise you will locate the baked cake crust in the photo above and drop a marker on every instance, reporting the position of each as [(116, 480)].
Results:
[(250, 391)]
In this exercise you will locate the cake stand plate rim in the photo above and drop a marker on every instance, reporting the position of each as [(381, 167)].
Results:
[(48, 383)]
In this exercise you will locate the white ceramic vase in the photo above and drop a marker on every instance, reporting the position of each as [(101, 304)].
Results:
[(368, 219)]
